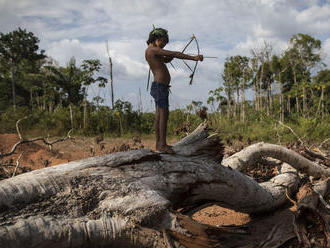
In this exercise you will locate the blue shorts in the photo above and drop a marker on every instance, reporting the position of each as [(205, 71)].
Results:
[(160, 92)]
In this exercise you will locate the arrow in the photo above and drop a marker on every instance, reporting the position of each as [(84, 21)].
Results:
[(205, 57)]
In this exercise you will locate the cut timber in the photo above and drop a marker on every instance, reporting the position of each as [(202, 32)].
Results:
[(128, 197)]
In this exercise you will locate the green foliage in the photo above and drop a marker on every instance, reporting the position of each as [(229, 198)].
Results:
[(260, 127), (34, 85), (6, 94), (19, 45), (253, 130), (19, 57), (176, 118), (302, 56), (322, 83), (147, 123), (9, 118)]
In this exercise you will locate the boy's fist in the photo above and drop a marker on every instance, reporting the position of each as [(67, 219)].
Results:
[(199, 58)]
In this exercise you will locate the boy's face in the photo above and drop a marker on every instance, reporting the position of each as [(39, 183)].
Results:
[(161, 42)]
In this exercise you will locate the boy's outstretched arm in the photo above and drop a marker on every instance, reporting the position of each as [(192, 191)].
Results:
[(174, 54), (167, 59)]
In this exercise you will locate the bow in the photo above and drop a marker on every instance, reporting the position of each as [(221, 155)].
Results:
[(193, 38)]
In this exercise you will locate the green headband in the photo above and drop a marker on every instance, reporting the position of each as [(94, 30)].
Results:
[(159, 32)]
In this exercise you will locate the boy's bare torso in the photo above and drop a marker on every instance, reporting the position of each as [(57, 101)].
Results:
[(157, 58), (157, 65)]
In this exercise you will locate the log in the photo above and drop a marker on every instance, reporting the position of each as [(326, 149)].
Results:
[(254, 153), (128, 199)]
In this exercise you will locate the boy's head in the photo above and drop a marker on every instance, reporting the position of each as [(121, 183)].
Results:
[(158, 34)]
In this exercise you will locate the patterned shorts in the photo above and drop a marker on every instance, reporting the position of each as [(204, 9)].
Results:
[(160, 92)]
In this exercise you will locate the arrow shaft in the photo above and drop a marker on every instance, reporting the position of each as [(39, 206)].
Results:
[(206, 57)]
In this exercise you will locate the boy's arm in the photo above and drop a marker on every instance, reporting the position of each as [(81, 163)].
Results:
[(167, 59), (178, 55)]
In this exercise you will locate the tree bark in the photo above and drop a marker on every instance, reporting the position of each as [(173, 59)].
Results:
[(127, 199), (237, 109), (243, 102), (228, 104), (281, 105), (13, 84), (297, 103), (111, 77), (44, 96), (289, 105), (304, 102), (260, 104), (256, 96), (71, 116), (85, 112)]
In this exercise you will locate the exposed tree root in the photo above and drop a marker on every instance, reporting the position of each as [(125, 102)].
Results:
[(23, 141), (254, 153)]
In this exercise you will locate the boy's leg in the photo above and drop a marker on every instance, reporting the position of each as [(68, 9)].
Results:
[(167, 112), (163, 129), (157, 121)]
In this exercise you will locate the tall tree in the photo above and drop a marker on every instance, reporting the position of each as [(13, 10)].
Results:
[(266, 82), (67, 81), (89, 68), (111, 76), (247, 73), (260, 55), (231, 82), (16, 48), (215, 96), (237, 73), (322, 85), (304, 54), (279, 66)]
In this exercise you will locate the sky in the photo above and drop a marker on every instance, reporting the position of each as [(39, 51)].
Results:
[(223, 28)]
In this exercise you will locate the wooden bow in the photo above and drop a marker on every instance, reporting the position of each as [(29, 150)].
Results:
[(193, 38)]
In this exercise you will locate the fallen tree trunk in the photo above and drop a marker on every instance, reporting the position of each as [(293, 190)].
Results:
[(127, 199), (255, 152)]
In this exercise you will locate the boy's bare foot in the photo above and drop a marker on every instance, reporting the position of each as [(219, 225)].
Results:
[(165, 149)]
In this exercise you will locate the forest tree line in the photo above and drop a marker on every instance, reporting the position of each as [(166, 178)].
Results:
[(291, 87), (299, 75)]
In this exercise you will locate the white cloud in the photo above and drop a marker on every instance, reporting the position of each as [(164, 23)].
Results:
[(326, 53), (314, 13), (244, 48), (223, 28), (315, 19)]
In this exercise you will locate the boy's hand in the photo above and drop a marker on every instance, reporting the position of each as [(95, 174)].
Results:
[(199, 58)]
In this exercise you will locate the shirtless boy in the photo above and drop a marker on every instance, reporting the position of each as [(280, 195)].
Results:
[(157, 58)]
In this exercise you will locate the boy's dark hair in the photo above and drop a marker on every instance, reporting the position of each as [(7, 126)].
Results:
[(157, 33)]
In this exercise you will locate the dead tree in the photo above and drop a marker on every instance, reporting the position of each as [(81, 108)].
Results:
[(111, 78), (23, 140), (130, 199)]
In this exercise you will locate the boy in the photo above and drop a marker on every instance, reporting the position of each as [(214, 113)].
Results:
[(156, 57)]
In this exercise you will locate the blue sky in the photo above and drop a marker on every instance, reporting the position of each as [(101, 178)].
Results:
[(223, 28)]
